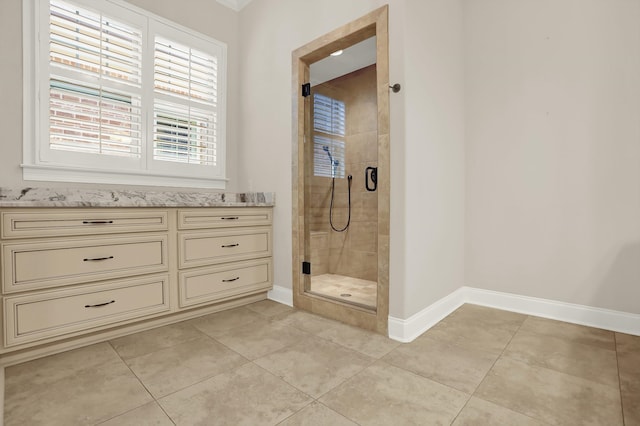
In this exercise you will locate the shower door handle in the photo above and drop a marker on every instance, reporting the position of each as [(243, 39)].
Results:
[(371, 174)]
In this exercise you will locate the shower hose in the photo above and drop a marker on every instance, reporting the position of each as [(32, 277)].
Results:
[(333, 190)]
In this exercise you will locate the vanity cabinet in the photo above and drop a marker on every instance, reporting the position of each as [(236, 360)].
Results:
[(72, 272), (223, 253)]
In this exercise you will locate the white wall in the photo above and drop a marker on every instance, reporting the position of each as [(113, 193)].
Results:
[(434, 167), (427, 186), (11, 92), (211, 19), (553, 149)]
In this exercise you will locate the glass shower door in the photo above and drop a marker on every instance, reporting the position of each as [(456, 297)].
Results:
[(341, 149)]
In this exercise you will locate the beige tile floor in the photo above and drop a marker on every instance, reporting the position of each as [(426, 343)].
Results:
[(267, 364), (359, 291)]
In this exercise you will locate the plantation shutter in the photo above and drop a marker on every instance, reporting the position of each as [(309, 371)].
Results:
[(329, 124), (328, 115), (185, 124), (95, 68)]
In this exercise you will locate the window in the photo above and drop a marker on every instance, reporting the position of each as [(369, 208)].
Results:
[(117, 95), (328, 136)]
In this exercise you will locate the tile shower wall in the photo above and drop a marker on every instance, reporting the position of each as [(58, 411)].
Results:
[(353, 252)]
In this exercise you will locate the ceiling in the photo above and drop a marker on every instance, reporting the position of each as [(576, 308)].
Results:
[(356, 57), (236, 5)]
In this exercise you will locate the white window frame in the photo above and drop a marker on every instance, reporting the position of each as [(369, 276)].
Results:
[(39, 164)]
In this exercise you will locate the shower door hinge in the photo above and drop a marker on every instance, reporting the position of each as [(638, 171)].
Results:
[(306, 268), (306, 90)]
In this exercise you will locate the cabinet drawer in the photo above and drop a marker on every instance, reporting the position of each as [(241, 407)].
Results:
[(55, 313), (40, 264), (223, 217), (47, 223), (226, 245), (204, 285)]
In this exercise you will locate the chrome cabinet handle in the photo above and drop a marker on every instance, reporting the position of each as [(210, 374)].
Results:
[(100, 304), (96, 259), (96, 222), (230, 218), (232, 279), (230, 245)]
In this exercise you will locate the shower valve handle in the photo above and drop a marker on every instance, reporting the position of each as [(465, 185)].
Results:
[(371, 174)]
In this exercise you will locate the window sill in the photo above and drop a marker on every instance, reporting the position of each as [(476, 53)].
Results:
[(62, 174)]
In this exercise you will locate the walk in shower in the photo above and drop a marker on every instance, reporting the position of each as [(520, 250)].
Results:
[(343, 203), (341, 174)]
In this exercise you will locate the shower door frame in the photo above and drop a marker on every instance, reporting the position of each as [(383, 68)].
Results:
[(376, 24)]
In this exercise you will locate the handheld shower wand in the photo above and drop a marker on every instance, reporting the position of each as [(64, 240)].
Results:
[(331, 162)]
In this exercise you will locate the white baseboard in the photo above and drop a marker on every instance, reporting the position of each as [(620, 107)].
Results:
[(607, 319), (281, 295), (406, 330)]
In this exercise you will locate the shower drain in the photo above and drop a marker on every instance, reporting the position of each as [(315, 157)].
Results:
[(345, 295)]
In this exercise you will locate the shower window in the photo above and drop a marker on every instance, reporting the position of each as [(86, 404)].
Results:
[(328, 136)]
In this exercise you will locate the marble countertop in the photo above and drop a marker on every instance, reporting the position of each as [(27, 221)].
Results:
[(69, 197)]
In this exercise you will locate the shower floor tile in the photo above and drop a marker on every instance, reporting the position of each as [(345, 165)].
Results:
[(361, 292)]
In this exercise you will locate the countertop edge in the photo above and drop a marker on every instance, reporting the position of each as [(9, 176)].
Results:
[(90, 198)]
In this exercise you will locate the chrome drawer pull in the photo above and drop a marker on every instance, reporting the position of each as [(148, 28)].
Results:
[(230, 218), (96, 222), (230, 245), (232, 279), (95, 259), (100, 304)]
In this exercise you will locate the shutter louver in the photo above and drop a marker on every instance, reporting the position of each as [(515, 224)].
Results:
[(329, 132), (328, 115), (94, 85), (184, 134), (185, 109)]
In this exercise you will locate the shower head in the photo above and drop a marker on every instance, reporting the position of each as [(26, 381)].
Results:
[(325, 148)]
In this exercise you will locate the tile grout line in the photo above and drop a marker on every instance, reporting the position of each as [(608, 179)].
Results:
[(347, 347), (489, 370), (340, 414), (204, 379), (336, 387), (313, 399), (615, 341), (268, 318), (345, 381), (461, 346), (289, 384), (164, 347), (142, 384), (204, 336), (372, 360)]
